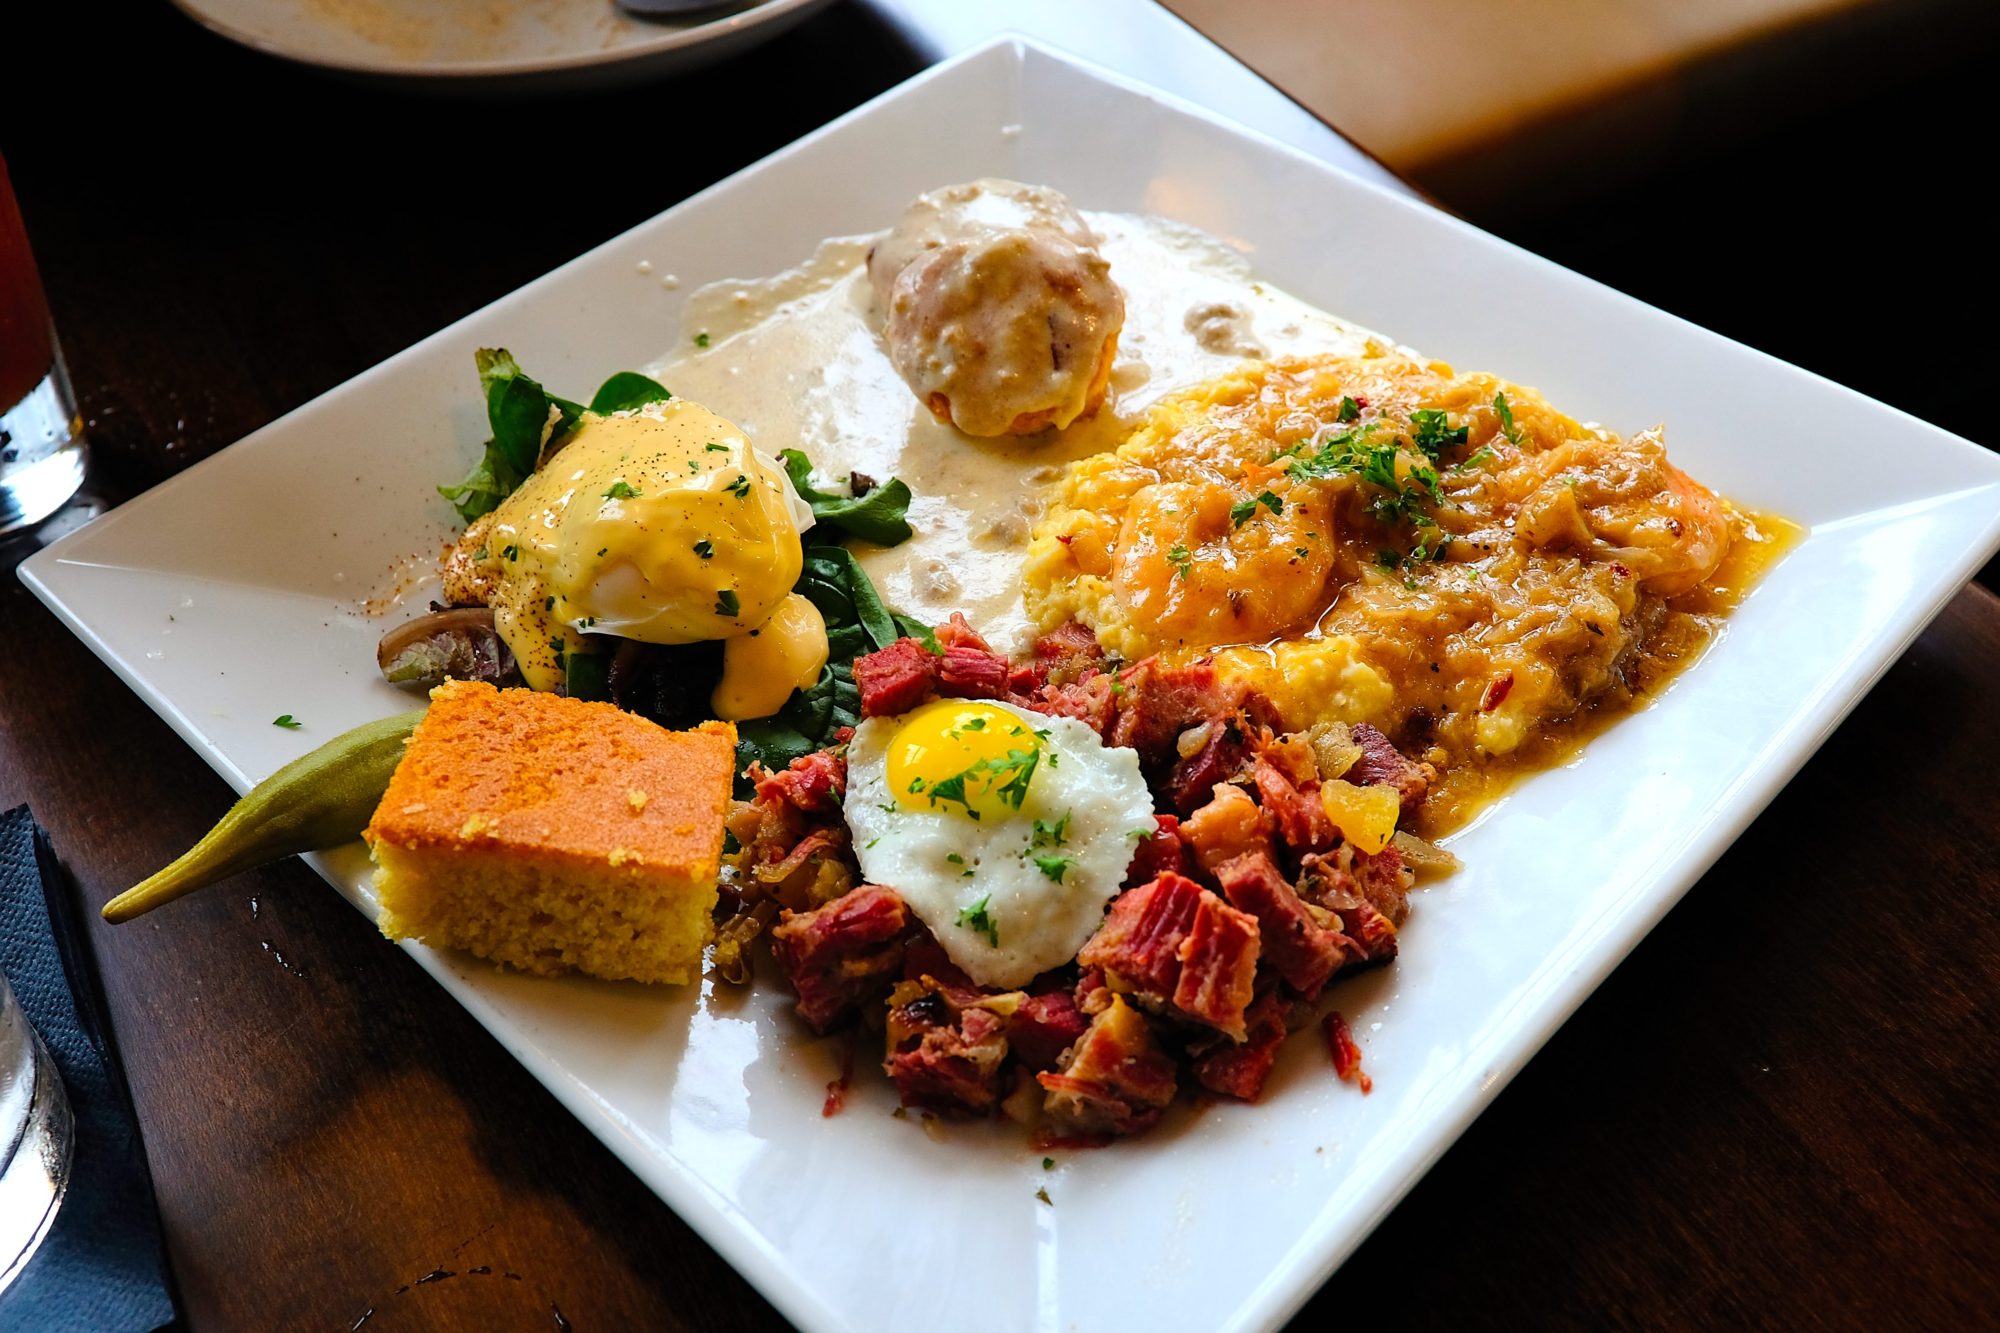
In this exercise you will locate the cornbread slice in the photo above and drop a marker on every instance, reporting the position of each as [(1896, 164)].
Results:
[(549, 834)]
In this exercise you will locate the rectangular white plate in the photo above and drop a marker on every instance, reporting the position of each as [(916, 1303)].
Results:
[(229, 595)]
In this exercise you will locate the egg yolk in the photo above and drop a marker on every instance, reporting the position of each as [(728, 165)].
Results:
[(964, 757)]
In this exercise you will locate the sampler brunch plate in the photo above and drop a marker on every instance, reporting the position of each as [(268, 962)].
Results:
[(257, 583)]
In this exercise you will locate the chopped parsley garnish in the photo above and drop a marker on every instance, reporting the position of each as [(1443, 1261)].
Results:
[(977, 918), (1052, 835), (548, 604), (1243, 510), (1181, 559), (621, 490), (1432, 432), (1043, 1195), (511, 552), (1053, 866), (1477, 458), (974, 724), (1388, 559), (287, 721), (713, 448), (1349, 410), (726, 603), (740, 488), (1048, 1164), (954, 858), (1017, 770), (1508, 429), (950, 789), (705, 549), (701, 340)]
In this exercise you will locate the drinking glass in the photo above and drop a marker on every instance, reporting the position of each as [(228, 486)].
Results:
[(35, 1134), (41, 436)]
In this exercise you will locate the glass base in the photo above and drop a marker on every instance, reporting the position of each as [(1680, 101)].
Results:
[(36, 1130), (41, 452)]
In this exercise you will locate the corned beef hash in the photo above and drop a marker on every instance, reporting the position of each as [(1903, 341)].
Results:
[(1105, 633)]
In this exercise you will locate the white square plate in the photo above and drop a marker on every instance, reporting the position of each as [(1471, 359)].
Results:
[(229, 595)]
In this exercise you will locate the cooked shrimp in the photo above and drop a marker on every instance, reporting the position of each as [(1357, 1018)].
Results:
[(1621, 500), (1197, 574)]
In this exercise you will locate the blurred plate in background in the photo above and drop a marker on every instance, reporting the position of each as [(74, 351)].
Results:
[(548, 43)]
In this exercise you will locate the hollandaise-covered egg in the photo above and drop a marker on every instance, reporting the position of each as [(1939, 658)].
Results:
[(1005, 831), (662, 524)]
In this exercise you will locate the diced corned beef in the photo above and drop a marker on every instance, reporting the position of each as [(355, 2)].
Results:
[(1043, 1027), (1384, 881), (1026, 682), (1142, 935), (895, 679), (1327, 882), (1092, 995), (1369, 929), (819, 842), (1157, 703), (1089, 700), (1381, 762), (1164, 851), (842, 954), (1228, 826), (812, 783), (923, 957), (1300, 817), (1302, 950), (958, 633), (1339, 877), (1192, 779), (1346, 1055), (1115, 1080), (965, 672), (1239, 1070), (948, 1065), (1067, 651), (1218, 966)]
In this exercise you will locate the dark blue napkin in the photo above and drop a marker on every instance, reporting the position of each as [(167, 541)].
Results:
[(101, 1266)]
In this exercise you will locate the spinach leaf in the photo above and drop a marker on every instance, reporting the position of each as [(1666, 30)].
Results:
[(832, 573), (879, 516), (587, 675), (626, 390), (912, 628), (518, 410)]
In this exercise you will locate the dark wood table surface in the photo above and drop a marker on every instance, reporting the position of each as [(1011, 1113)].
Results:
[(1779, 1112)]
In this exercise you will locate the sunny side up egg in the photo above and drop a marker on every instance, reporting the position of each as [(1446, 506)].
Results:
[(1005, 831)]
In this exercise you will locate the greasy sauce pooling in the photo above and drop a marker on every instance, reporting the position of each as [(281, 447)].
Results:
[(795, 361), (1689, 624)]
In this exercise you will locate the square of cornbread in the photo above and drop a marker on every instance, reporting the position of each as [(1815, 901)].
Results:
[(549, 833)]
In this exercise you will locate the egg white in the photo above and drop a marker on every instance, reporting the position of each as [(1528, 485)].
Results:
[(1040, 923)]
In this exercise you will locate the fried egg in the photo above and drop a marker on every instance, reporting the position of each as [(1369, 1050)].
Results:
[(1006, 832)]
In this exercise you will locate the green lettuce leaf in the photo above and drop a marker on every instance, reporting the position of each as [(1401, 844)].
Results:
[(881, 516), (626, 390)]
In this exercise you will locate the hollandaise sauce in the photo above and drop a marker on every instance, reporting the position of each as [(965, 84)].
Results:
[(665, 526)]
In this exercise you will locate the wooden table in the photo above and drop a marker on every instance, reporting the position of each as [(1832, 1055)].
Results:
[(1778, 1112)]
